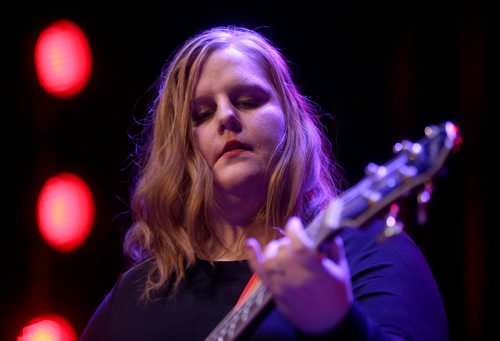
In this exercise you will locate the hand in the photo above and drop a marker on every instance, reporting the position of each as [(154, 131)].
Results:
[(312, 290)]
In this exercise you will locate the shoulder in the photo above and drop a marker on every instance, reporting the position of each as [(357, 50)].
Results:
[(128, 288), (392, 265), (134, 278), (137, 271), (120, 300)]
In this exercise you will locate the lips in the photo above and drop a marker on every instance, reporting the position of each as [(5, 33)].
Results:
[(234, 145)]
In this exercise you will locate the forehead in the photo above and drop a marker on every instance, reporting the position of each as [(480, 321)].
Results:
[(231, 63), (231, 53)]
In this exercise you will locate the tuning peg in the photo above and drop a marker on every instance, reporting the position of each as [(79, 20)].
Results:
[(413, 149), (423, 199), (392, 225)]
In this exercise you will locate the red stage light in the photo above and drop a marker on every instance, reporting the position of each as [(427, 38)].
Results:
[(63, 59), (48, 328), (65, 211)]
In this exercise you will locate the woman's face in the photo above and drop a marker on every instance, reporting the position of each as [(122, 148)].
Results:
[(238, 123)]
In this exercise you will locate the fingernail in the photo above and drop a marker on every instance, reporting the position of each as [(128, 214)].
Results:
[(280, 231)]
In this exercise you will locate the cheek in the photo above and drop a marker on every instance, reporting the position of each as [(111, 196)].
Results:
[(272, 130), (277, 127)]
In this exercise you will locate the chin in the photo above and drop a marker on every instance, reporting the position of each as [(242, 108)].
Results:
[(248, 184)]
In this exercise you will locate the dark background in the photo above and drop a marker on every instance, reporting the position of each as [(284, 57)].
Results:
[(383, 70)]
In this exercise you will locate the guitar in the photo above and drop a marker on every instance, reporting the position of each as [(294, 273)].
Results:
[(414, 164)]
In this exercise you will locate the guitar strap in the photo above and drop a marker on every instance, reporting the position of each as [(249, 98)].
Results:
[(252, 284)]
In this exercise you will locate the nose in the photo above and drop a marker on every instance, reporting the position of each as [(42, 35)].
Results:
[(228, 118)]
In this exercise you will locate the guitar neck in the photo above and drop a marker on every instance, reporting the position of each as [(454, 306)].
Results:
[(236, 322)]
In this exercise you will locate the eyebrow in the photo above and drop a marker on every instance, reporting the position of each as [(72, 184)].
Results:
[(251, 87)]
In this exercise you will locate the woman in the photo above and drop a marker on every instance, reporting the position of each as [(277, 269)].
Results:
[(233, 154)]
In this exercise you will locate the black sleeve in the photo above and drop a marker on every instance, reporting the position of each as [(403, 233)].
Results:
[(394, 289), (356, 325)]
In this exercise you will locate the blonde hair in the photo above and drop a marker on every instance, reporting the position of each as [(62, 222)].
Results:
[(172, 199)]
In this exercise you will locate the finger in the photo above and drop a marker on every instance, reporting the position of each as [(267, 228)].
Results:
[(259, 262), (272, 248), (296, 232), (336, 251)]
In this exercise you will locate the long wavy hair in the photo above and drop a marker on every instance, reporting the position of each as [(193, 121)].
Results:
[(172, 201)]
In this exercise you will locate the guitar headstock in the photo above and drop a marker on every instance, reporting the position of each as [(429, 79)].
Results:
[(414, 164)]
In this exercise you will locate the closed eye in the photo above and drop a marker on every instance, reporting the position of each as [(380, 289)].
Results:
[(251, 98), (201, 113), (248, 103)]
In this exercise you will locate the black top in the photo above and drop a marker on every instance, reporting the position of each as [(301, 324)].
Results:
[(394, 290)]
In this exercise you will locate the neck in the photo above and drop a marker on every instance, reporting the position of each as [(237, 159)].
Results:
[(235, 212), (234, 215), (232, 237)]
